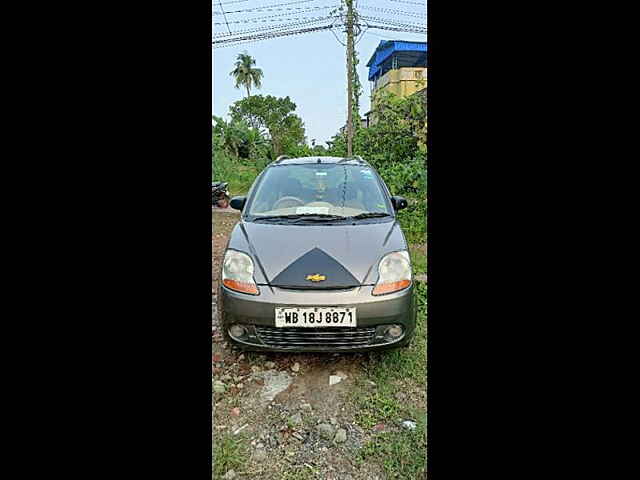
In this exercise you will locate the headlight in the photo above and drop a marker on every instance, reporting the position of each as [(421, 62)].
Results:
[(237, 272), (394, 273)]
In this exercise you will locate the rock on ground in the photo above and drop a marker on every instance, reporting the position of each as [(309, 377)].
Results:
[(260, 455), (325, 431), (341, 435), (295, 419), (274, 383), (409, 424), (219, 387)]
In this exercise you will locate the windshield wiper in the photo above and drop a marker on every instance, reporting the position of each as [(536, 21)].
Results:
[(274, 217), (313, 217), (370, 215)]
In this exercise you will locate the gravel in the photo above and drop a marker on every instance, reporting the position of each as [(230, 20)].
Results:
[(260, 455), (325, 431), (295, 419)]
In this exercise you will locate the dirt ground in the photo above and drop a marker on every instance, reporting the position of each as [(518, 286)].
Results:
[(288, 421)]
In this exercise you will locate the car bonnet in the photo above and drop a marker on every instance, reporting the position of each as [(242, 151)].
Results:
[(345, 255)]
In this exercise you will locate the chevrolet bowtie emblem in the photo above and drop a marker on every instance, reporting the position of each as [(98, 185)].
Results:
[(316, 277)]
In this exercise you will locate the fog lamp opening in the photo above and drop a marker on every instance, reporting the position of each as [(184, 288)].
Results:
[(393, 331), (238, 331)]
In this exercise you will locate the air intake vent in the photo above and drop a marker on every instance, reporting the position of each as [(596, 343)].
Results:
[(316, 337)]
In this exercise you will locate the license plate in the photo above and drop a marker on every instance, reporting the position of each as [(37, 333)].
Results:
[(315, 317)]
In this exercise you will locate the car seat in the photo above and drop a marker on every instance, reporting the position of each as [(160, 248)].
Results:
[(290, 187), (350, 196)]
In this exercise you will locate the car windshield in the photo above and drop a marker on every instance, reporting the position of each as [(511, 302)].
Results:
[(319, 189)]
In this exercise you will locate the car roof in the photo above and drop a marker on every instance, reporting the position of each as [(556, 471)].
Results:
[(326, 160)]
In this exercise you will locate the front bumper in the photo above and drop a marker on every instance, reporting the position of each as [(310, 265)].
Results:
[(374, 313)]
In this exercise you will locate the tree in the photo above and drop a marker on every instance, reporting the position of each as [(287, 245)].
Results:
[(238, 140), (395, 144), (285, 129), (244, 73), (228, 136)]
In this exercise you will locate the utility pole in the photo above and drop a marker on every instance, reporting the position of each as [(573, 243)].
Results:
[(349, 77)]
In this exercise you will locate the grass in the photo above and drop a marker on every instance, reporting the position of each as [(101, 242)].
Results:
[(397, 450), (240, 175), (253, 357), (401, 453), (242, 180), (304, 473), (229, 452), (418, 259)]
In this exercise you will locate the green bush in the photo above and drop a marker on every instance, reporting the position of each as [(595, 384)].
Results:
[(396, 146)]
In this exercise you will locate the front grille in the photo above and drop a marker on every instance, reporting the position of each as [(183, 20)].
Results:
[(335, 337)]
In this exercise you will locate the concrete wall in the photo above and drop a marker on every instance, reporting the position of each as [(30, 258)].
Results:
[(403, 81)]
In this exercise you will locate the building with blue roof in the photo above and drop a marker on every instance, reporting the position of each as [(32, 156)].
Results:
[(399, 67)]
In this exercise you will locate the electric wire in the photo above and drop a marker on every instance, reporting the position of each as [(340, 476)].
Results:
[(399, 29), (271, 27), (422, 4), (278, 18), (225, 17), (269, 35), (393, 12), (235, 1), (219, 43), (301, 9), (299, 25), (266, 7), (394, 23)]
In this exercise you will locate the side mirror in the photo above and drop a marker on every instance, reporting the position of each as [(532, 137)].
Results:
[(237, 203), (399, 203)]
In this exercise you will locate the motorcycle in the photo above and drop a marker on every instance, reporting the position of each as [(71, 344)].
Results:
[(219, 194)]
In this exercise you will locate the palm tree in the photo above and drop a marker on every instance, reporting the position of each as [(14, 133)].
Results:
[(244, 73)]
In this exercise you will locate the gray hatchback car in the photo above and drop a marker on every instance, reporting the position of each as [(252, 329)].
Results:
[(318, 261)]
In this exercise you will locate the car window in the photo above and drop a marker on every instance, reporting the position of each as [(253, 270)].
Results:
[(334, 189)]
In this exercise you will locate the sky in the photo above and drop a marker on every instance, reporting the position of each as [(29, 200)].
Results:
[(309, 68)]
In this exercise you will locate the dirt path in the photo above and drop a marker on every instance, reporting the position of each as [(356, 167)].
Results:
[(279, 416)]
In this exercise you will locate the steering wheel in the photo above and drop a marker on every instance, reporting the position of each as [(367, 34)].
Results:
[(277, 205)]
